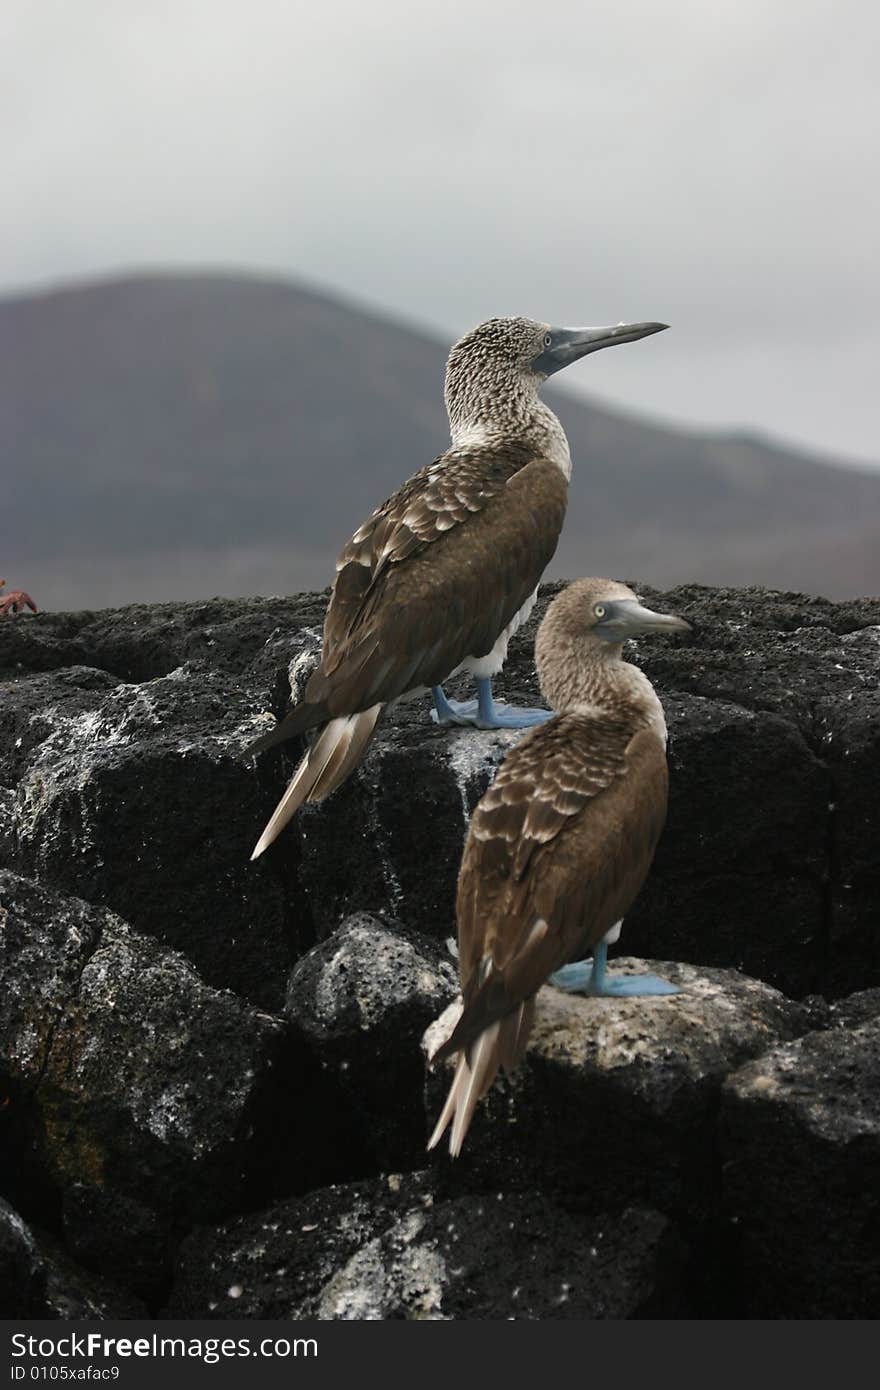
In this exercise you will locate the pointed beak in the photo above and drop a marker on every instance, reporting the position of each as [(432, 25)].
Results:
[(567, 345), (626, 618)]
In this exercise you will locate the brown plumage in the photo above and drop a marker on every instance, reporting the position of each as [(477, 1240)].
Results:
[(562, 841), (433, 576), (436, 578), (417, 592)]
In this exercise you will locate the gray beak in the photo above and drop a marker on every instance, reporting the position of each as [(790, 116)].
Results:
[(568, 344), (626, 618)]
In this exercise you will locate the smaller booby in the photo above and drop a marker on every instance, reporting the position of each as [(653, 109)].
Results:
[(562, 841), (443, 573)]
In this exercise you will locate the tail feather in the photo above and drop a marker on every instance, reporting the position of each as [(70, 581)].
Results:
[(334, 754), (473, 1077), (306, 716), (502, 1044), (514, 1036)]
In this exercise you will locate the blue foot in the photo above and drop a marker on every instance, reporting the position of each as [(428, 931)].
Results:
[(589, 977), (447, 711), (632, 986), (484, 713), (574, 978)]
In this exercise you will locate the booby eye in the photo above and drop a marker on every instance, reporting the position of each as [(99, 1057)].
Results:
[(548, 339), (599, 610)]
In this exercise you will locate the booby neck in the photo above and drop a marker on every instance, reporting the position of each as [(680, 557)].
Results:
[(580, 671), (494, 373), (597, 680), (501, 408)]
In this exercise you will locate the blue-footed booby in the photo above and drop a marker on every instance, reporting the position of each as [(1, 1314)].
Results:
[(562, 840), (441, 575)]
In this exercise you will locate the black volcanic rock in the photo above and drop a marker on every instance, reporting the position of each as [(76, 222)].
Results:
[(143, 1088), (38, 1280), (766, 863), (140, 802), (404, 1248), (615, 1100), (800, 1137), (740, 876), (22, 1269), (35, 707), (143, 641), (129, 1073), (361, 1000), (127, 1240)]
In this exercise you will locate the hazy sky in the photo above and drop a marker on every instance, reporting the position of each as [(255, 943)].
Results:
[(711, 163)]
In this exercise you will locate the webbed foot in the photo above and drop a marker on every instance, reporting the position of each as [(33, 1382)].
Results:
[(484, 713), (589, 977)]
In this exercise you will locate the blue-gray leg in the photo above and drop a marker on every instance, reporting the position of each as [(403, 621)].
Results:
[(584, 977), (484, 713)]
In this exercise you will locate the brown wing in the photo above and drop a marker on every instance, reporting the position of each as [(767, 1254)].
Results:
[(435, 575), (425, 508), (557, 850)]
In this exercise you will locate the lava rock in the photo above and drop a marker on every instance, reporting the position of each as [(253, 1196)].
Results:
[(855, 1010), (361, 1001), (402, 1248), (761, 649), (35, 707), (851, 747), (130, 1073), (615, 1100), (740, 875), (402, 819), (143, 641), (38, 1280), (121, 1238), (800, 1140), (766, 700), (45, 941), (143, 805), (75, 1294), (22, 1269)]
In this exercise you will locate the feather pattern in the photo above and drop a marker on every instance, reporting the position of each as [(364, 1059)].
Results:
[(557, 850), (335, 752), (434, 575)]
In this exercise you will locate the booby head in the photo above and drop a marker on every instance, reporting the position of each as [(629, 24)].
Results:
[(582, 634), (494, 372)]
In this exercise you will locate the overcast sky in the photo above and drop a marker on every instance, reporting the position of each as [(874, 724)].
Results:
[(711, 163)]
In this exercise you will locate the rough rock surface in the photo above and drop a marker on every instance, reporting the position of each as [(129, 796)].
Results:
[(360, 1001), (22, 1270), (37, 1279), (202, 1036), (127, 1072), (800, 1135), (405, 1248), (772, 698), (616, 1098), (120, 798)]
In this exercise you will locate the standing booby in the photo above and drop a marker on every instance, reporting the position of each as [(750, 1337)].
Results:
[(562, 841), (446, 569)]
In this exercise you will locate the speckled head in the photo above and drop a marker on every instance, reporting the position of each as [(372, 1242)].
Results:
[(494, 372)]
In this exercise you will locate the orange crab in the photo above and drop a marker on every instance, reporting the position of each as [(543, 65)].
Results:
[(16, 601)]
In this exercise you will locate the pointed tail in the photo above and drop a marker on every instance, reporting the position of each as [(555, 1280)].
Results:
[(335, 753), (502, 1044)]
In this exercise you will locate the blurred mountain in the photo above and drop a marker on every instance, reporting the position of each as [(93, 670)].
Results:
[(187, 435)]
